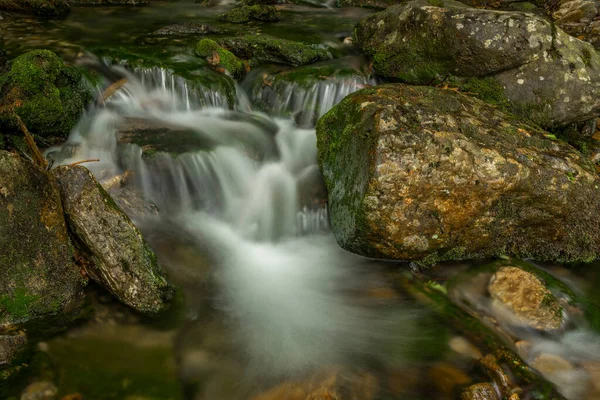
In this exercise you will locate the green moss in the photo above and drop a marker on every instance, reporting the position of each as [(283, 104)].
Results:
[(257, 12), (221, 58), (19, 304), (48, 96), (262, 49)]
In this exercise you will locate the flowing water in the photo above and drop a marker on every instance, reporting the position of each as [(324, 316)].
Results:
[(222, 180)]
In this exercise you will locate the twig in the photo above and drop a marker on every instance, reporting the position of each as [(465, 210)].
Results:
[(109, 91), (83, 161), (37, 154)]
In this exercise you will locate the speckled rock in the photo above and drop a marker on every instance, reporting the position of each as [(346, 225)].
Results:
[(578, 18), (541, 72), (11, 347), (121, 259), (527, 297), (39, 281), (479, 391), (419, 173)]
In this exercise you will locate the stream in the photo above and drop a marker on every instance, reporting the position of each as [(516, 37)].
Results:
[(230, 197)]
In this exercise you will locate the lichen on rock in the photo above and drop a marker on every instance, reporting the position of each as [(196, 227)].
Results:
[(425, 174), (121, 259), (544, 74)]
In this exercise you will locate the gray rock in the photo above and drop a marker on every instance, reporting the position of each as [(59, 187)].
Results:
[(122, 261), (39, 281), (542, 72), (11, 346), (418, 173)]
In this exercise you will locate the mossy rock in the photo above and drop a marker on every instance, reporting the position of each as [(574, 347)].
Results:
[(39, 280), (47, 95), (40, 8), (121, 260), (261, 49), (221, 59), (257, 12), (543, 73), (425, 174)]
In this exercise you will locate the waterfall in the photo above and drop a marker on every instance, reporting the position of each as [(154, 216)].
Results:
[(253, 199)]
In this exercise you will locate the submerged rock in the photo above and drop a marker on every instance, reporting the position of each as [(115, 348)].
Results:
[(121, 259), (521, 60), (40, 8), (264, 49), (188, 28), (259, 12), (418, 173), (39, 281), (527, 297), (11, 347), (47, 95), (41, 390)]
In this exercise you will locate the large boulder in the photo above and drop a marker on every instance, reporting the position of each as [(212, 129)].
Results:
[(121, 259), (40, 8), (419, 173), (47, 95), (39, 280), (541, 71)]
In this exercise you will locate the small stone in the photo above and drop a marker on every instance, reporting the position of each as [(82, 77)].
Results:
[(491, 367), (527, 297), (463, 347), (479, 391), (42, 390), (446, 378), (523, 348)]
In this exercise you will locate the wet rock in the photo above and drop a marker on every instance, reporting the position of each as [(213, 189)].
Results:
[(259, 12), (2, 52), (366, 3), (42, 390), (40, 8), (39, 281), (571, 381), (11, 347), (254, 2), (188, 28), (122, 260), (446, 378), (578, 18), (154, 135), (479, 391), (527, 297), (489, 364), (465, 348), (418, 173), (133, 204), (47, 95), (326, 385), (518, 61), (264, 49), (220, 59)]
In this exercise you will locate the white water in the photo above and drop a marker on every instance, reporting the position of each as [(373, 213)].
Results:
[(281, 278)]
